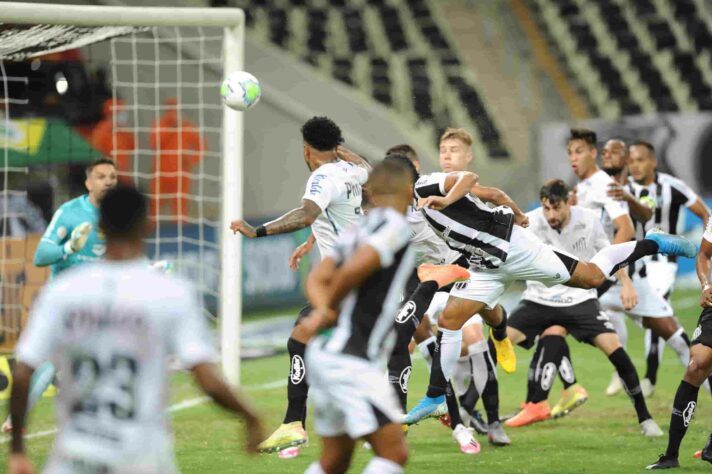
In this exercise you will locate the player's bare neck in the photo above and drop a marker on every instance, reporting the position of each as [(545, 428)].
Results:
[(591, 171), (123, 251), (648, 180), (93, 200)]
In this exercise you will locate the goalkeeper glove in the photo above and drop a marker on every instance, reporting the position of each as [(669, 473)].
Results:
[(78, 239)]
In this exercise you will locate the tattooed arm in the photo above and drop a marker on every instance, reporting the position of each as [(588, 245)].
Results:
[(295, 219)]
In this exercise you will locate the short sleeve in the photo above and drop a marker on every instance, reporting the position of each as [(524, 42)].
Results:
[(431, 185), (320, 189), (689, 195), (362, 174), (388, 237), (614, 209), (708, 231), (40, 336), (192, 341)]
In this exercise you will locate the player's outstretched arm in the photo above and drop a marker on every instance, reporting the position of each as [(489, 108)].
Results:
[(624, 229), (299, 253), (206, 376), (700, 209), (499, 198), (456, 186), (703, 272), (18, 463), (295, 219), (639, 210)]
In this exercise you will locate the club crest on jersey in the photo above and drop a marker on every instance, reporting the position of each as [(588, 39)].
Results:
[(296, 374), (688, 412), (697, 333), (406, 312), (403, 379)]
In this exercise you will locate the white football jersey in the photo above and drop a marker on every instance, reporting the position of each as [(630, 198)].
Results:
[(592, 193), (708, 231), (428, 247), (109, 328), (583, 237), (336, 188)]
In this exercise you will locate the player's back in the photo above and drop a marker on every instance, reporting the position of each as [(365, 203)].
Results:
[(336, 188), (109, 328)]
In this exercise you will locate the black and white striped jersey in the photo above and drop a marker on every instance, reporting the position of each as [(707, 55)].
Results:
[(469, 226), (365, 324), (669, 195)]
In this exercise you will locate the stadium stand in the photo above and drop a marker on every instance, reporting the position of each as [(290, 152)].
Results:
[(396, 51), (630, 57)]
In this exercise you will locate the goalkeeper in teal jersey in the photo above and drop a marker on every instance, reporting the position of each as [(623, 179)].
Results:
[(72, 238)]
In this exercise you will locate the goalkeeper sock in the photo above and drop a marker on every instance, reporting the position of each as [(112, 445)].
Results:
[(297, 387), (41, 380)]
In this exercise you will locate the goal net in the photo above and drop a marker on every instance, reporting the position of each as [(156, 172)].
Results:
[(139, 86)]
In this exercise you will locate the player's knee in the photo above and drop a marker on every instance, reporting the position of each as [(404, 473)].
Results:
[(400, 455), (336, 463), (697, 370)]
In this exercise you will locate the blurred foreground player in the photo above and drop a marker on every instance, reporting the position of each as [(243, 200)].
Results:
[(355, 291), (330, 205), (109, 327), (72, 238), (699, 368)]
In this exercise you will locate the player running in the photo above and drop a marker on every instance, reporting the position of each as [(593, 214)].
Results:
[(330, 205), (355, 291), (551, 313), (668, 196), (72, 238), (501, 251), (109, 326), (699, 368)]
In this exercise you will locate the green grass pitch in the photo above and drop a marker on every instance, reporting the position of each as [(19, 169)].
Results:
[(600, 437)]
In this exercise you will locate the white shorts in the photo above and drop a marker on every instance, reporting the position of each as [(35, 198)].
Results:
[(529, 259), (351, 396), (437, 305), (158, 460), (661, 275), (650, 303)]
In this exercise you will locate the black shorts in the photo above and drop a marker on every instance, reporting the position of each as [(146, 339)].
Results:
[(584, 321), (703, 331), (303, 314)]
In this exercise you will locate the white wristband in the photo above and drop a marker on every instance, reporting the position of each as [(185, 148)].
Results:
[(68, 250)]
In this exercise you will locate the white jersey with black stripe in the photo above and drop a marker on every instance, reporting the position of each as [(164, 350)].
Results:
[(428, 247), (336, 188), (592, 193), (470, 226), (365, 324), (669, 195)]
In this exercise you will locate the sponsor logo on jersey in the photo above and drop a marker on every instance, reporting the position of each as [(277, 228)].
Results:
[(406, 312), (403, 379), (297, 371), (315, 187)]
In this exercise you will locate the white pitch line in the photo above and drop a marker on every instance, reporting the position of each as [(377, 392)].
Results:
[(182, 405)]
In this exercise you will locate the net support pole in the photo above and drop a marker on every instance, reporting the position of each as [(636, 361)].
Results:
[(231, 245)]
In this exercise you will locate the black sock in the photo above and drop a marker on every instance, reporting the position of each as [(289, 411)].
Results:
[(531, 375), (490, 394), (437, 378), (469, 399), (653, 358), (566, 367), (453, 409), (499, 332), (417, 304), (642, 248), (682, 409), (548, 367), (626, 371), (297, 388), (399, 370)]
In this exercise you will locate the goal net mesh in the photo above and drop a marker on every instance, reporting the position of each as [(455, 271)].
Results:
[(148, 98)]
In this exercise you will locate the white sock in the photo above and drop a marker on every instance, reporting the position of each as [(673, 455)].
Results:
[(661, 345), (450, 344), (478, 365), (462, 374), (382, 466), (423, 347), (679, 345), (315, 468), (618, 320), (608, 257)]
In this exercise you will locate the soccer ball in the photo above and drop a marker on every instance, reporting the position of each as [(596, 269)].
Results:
[(240, 90)]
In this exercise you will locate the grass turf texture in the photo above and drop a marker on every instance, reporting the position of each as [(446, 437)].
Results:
[(601, 436)]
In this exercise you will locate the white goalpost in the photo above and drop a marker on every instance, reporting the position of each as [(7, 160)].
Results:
[(167, 130)]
